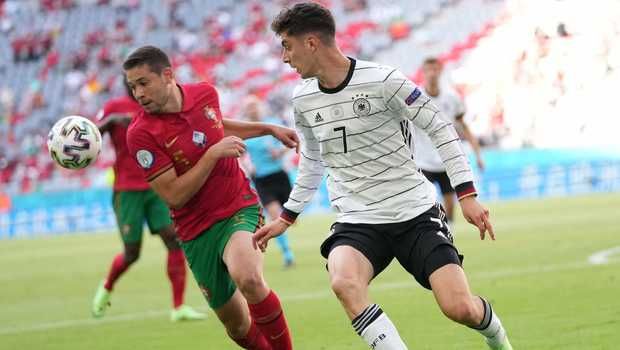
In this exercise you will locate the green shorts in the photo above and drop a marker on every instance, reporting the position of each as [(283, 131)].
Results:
[(133, 208), (205, 254)]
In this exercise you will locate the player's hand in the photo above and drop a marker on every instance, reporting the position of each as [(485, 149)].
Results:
[(273, 229), (477, 215), (287, 136), (228, 147)]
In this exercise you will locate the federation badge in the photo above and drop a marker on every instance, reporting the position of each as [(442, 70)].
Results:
[(210, 113), (199, 138), (361, 106), (145, 158)]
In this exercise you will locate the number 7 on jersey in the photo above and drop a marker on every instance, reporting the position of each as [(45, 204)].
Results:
[(344, 136)]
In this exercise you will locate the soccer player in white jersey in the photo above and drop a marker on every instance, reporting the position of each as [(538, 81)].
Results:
[(350, 114), (426, 156)]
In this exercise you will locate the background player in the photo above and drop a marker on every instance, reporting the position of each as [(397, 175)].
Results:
[(189, 156), (134, 203), (351, 115), (270, 179), (426, 156)]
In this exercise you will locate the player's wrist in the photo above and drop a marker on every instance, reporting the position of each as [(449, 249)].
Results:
[(466, 190), (288, 216)]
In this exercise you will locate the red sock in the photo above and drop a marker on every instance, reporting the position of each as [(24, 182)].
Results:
[(116, 270), (176, 274), (269, 318), (254, 340)]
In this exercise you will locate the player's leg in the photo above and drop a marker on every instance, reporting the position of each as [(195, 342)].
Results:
[(159, 222), (241, 328), (448, 195), (204, 254), (425, 248), (451, 290), (129, 211), (245, 265), (273, 191), (355, 255), (273, 210)]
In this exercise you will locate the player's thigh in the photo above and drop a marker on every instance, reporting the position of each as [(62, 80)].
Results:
[(238, 252), (129, 212), (156, 212), (204, 256), (415, 242), (366, 252)]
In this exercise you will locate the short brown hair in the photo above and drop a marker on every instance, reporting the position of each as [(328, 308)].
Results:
[(153, 56), (306, 17), (432, 60)]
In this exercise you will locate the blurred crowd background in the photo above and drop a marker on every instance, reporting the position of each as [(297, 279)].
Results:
[(533, 74)]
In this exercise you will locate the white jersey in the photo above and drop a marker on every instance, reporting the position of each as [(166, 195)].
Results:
[(356, 133), (423, 149)]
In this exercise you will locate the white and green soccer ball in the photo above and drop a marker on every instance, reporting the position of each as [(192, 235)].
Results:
[(74, 142)]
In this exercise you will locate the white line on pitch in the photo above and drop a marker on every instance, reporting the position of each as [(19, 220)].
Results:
[(326, 293), (602, 257)]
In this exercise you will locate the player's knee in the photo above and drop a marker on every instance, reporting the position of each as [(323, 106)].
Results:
[(463, 311), (131, 256), (251, 283), (345, 288), (236, 330)]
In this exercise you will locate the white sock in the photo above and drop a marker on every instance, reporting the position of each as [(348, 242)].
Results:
[(491, 326), (376, 328)]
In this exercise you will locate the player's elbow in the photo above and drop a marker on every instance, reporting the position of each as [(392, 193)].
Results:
[(175, 202)]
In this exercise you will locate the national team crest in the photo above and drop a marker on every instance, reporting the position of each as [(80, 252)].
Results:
[(210, 113), (361, 106)]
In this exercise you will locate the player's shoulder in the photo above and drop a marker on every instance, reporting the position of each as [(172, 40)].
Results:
[(122, 104), (139, 125), (306, 87), (368, 71), (200, 89)]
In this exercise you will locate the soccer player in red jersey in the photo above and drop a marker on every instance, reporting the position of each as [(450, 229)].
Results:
[(189, 156), (134, 203)]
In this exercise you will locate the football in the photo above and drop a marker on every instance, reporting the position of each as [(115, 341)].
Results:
[(74, 142)]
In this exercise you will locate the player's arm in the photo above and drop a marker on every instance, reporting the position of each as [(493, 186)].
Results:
[(404, 98), (247, 130), (473, 141), (178, 190), (309, 176)]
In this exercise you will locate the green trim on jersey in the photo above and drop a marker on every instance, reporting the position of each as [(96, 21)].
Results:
[(133, 208), (205, 254)]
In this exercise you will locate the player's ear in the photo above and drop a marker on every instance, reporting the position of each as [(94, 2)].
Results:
[(311, 41), (168, 74)]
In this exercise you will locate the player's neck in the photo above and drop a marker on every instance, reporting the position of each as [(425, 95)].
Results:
[(175, 102), (432, 90), (333, 69)]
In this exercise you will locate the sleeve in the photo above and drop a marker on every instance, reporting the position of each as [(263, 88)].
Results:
[(404, 98), (309, 173), (148, 153)]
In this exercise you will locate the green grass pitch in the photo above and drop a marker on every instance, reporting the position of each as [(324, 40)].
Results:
[(536, 274)]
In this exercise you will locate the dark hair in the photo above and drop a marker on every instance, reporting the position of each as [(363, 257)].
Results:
[(432, 60), (303, 18), (153, 56)]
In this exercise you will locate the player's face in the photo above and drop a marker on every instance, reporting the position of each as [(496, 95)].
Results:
[(150, 89), (298, 52), (432, 71)]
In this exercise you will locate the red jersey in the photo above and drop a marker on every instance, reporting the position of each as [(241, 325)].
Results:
[(127, 176), (160, 142)]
